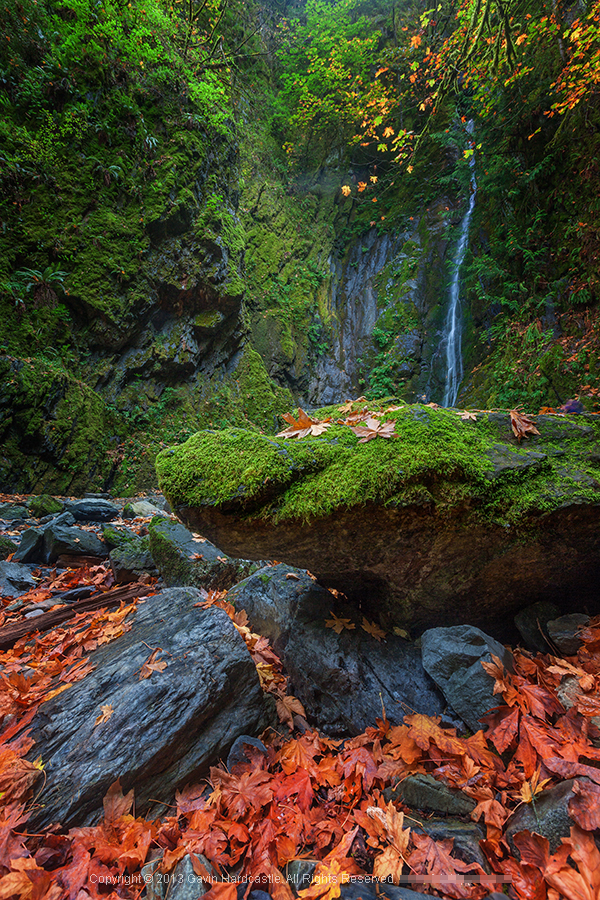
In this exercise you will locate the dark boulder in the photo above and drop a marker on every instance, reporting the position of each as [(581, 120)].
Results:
[(346, 680), (92, 510), (453, 657), (15, 579), (532, 624), (564, 632), (61, 540), (165, 730)]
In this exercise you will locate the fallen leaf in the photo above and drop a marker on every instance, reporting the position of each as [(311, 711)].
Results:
[(338, 625), (372, 629), (106, 712), (303, 426), (151, 665), (522, 426), (287, 707), (372, 429), (468, 414)]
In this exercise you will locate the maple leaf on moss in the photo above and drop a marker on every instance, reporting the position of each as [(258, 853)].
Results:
[(521, 425), (372, 429), (303, 425), (338, 625)]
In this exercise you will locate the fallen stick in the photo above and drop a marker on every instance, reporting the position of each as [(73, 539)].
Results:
[(10, 634)]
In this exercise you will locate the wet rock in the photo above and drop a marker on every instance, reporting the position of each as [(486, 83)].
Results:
[(532, 623), (299, 873), (13, 512), (550, 817), (44, 506), (452, 657), (341, 679), (564, 632), (425, 792), (129, 562), (184, 558), (142, 508), (118, 536), (243, 750), (31, 546), (465, 837), (166, 730), (59, 540), (15, 579), (92, 510), (507, 460), (63, 518), (6, 547), (181, 883)]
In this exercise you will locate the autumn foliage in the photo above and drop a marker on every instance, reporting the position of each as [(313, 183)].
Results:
[(310, 796)]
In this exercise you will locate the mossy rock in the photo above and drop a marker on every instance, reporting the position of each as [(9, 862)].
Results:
[(187, 559), (6, 547), (44, 506), (452, 521)]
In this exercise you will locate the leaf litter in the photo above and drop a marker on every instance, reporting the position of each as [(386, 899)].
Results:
[(312, 796)]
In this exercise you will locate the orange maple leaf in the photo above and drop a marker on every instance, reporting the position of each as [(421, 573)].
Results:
[(303, 426)]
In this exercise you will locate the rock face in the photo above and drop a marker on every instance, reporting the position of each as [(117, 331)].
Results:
[(166, 729), (341, 679), (452, 521)]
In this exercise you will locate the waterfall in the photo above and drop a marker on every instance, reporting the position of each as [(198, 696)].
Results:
[(453, 326)]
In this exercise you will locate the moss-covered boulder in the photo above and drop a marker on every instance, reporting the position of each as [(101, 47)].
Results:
[(452, 521), (188, 559), (7, 547), (44, 506)]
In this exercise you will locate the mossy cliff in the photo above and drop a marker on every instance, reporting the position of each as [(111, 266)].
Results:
[(55, 432), (449, 509)]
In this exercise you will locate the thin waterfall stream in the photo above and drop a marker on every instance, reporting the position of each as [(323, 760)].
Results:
[(453, 325)]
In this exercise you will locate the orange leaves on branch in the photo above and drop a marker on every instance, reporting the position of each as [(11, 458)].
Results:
[(303, 425), (522, 426)]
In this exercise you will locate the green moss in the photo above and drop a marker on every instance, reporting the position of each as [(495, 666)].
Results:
[(436, 459), (6, 547), (46, 408), (44, 506)]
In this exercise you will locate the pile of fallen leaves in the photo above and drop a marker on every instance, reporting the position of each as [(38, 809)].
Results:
[(311, 797)]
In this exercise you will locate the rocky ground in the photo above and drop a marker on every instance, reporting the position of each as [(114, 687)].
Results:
[(138, 655)]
